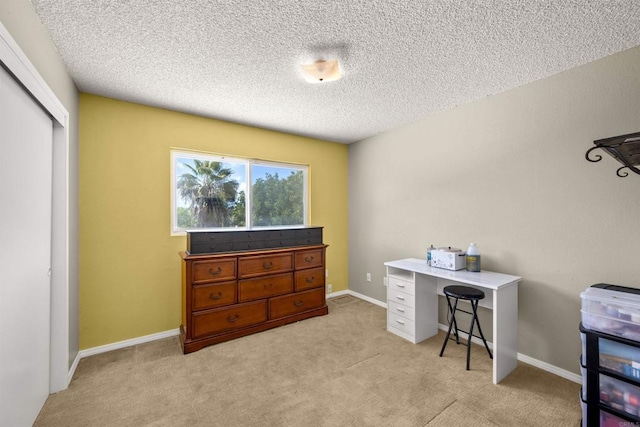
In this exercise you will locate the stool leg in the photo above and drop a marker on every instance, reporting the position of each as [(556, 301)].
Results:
[(451, 322), (453, 318), (474, 319), (480, 330)]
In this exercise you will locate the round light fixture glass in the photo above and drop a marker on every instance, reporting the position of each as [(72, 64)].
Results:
[(322, 71)]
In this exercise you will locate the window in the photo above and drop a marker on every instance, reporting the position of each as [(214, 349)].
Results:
[(213, 192)]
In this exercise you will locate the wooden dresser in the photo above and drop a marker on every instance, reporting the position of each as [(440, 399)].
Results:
[(233, 294)]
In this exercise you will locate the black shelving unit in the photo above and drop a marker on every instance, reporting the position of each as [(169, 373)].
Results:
[(598, 398)]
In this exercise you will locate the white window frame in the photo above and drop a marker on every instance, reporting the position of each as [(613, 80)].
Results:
[(249, 163)]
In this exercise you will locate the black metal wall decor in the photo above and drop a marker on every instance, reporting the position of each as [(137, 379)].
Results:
[(623, 148)]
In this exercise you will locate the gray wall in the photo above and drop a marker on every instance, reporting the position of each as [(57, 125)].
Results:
[(20, 19), (508, 172)]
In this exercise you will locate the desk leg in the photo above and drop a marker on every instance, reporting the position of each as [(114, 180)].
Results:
[(505, 331)]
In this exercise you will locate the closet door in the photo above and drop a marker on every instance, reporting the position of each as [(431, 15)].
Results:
[(26, 136)]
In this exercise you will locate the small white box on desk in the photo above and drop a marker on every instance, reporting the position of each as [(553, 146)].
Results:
[(449, 259)]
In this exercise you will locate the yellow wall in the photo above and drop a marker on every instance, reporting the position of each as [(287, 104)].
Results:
[(129, 263)]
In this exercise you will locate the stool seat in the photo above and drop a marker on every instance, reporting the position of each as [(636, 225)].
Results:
[(463, 292), (473, 295)]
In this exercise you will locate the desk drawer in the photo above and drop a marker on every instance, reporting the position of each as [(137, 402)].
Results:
[(402, 298), (402, 310), (396, 284), (402, 323)]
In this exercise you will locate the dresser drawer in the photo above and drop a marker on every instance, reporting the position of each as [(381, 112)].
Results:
[(402, 298), (283, 234), (309, 279), (296, 303), (214, 271), (210, 247), (401, 323), (402, 310), (264, 287), (265, 264), (281, 243), (309, 236), (396, 284), (309, 259), (229, 318), (213, 295)]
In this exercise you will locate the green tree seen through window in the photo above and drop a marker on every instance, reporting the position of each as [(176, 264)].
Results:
[(278, 201), (211, 193)]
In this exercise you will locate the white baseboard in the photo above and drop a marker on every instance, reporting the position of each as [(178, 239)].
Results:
[(128, 343), (337, 294), (73, 368), (550, 368), (171, 333), (366, 298), (464, 335), (526, 359)]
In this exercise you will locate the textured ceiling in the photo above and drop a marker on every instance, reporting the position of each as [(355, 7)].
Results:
[(403, 60)]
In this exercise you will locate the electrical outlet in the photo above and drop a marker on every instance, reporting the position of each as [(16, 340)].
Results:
[(368, 277), (329, 288)]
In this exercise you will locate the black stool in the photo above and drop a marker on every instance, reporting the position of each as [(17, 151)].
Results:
[(472, 295)]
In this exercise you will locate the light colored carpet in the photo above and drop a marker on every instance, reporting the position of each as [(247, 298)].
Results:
[(343, 369)]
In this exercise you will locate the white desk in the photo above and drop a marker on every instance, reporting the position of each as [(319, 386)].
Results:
[(412, 305)]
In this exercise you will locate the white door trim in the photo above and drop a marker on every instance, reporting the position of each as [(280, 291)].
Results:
[(16, 62)]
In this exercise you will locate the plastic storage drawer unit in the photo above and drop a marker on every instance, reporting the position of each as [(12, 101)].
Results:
[(621, 396), (620, 358), (612, 309)]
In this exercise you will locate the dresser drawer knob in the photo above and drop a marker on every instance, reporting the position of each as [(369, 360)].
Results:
[(400, 298), (310, 279), (216, 272), (309, 259), (298, 303), (215, 297), (232, 319), (400, 321), (267, 265)]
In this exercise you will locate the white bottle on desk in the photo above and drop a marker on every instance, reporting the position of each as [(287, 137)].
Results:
[(473, 258)]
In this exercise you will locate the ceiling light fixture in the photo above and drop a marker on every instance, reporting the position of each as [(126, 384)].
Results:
[(322, 71)]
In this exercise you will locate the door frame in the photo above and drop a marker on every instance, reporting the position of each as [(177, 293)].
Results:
[(16, 63)]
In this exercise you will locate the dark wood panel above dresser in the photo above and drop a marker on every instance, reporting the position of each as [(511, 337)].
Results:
[(210, 242)]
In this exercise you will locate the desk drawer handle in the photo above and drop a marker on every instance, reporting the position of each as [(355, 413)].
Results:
[(215, 297), (216, 272), (400, 321), (399, 297), (401, 310)]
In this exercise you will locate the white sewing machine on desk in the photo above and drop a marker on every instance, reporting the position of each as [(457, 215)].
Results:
[(412, 305)]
